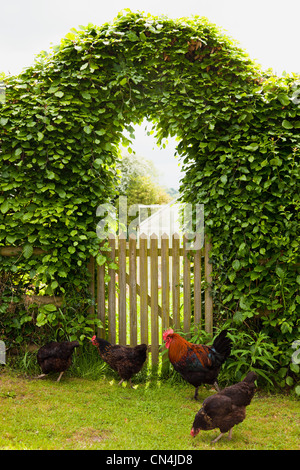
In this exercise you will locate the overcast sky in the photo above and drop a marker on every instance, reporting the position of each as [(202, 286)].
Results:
[(269, 31)]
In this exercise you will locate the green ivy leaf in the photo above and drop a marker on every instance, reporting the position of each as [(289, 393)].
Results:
[(284, 99), (86, 95), (27, 251), (100, 259), (287, 124), (236, 264), (87, 129), (4, 207), (252, 147)]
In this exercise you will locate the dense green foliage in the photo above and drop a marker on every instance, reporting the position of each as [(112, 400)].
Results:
[(238, 130)]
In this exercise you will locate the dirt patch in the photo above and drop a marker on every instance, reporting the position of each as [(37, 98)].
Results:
[(86, 437)]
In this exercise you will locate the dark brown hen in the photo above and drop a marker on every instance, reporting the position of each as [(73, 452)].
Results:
[(225, 409), (56, 357), (125, 360)]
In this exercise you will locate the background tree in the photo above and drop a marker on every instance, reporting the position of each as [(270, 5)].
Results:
[(139, 181)]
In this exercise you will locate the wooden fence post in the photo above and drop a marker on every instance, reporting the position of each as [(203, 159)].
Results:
[(208, 296), (101, 299), (91, 269)]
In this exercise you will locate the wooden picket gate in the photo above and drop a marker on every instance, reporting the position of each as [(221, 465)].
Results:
[(151, 290)]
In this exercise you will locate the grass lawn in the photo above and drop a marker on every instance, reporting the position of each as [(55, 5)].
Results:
[(84, 413)]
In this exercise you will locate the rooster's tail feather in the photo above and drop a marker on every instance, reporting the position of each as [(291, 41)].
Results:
[(222, 344)]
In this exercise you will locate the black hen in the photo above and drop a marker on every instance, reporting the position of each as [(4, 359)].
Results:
[(123, 359), (225, 409), (56, 357)]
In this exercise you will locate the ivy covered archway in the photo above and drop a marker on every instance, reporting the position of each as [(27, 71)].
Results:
[(238, 130)]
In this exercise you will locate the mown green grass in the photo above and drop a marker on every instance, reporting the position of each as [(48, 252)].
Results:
[(84, 413)]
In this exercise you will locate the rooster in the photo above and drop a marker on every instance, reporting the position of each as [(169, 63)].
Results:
[(197, 363), (125, 360), (225, 409), (56, 357)]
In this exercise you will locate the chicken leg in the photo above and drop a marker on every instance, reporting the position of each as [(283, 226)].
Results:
[(121, 381), (59, 377), (216, 385), (222, 434), (217, 438), (40, 376)]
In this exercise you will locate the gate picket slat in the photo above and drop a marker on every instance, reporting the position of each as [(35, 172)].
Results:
[(165, 287), (101, 299), (122, 290), (186, 287), (154, 298), (165, 282), (197, 288), (112, 295), (132, 290), (175, 280), (143, 271)]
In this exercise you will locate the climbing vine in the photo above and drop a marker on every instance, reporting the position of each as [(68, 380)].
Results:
[(238, 131)]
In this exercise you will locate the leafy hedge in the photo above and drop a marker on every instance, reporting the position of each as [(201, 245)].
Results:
[(238, 130)]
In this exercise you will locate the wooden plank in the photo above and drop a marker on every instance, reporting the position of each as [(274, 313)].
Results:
[(112, 294), (122, 290), (143, 271), (101, 299), (165, 282), (186, 287), (165, 291), (175, 280), (154, 298), (132, 290), (148, 251), (208, 296), (197, 288), (42, 300), (16, 250)]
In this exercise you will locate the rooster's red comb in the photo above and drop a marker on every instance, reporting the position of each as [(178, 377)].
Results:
[(167, 333)]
